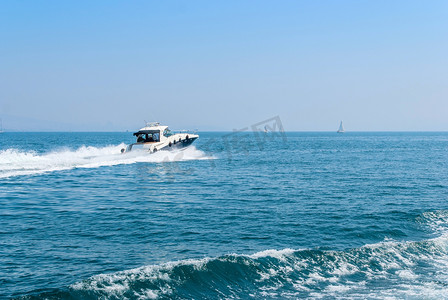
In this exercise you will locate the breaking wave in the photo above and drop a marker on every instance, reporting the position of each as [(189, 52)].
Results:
[(389, 269), (15, 162)]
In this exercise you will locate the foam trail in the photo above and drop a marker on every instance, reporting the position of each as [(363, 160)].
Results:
[(14, 162)]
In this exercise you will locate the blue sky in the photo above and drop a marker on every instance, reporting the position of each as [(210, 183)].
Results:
[(109, 65)]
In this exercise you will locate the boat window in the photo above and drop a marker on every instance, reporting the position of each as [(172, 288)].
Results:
[(154, 137), (167, 132), (148, 136)]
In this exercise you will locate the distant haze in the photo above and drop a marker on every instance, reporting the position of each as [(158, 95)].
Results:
[(110, 65)]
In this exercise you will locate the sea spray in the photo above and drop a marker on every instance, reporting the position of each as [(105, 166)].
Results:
[(15, 162)]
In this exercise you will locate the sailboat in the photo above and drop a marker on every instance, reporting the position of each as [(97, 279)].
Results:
[(341, 128), (1, 126)]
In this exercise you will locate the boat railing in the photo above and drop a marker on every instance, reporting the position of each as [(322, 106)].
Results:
[(186, 131), (152, 124)]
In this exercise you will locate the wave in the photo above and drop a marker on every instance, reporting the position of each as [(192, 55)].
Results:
[(15, 162), (389, 269)]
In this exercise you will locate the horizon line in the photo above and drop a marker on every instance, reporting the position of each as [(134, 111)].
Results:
[(127, 131)]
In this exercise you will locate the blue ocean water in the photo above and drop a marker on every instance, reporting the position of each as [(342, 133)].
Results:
[(309, 215)]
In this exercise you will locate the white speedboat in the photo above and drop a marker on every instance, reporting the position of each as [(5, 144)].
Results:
[(155, 137)]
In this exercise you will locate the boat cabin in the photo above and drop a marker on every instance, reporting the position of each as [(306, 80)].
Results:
[(153, 133), (154, 137)]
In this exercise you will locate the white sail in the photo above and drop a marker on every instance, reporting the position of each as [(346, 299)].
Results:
[(341, 128)]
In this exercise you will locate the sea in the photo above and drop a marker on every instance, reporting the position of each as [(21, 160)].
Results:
[(238, 215)]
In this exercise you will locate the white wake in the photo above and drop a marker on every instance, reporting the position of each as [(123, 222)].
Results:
[(15, 162)]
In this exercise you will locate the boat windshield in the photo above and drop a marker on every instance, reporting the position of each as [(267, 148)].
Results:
[(167, 132)]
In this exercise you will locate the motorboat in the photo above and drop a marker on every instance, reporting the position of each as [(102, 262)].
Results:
[(155, 137)]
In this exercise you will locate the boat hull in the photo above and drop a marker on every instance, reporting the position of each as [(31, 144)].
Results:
[(178, 145), (172, 145)]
